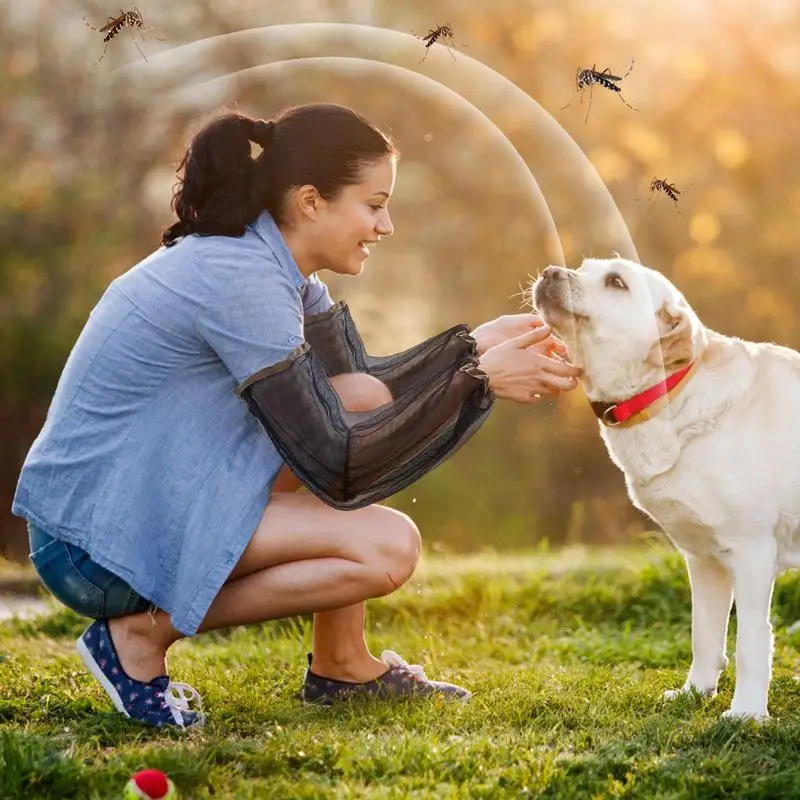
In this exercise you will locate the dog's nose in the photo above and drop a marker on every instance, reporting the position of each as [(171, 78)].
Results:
[(554, 273)]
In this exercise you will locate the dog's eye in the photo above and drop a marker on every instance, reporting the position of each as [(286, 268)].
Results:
[(612, 279)]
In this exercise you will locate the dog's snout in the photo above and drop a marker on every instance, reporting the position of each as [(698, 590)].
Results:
[(554, 274)]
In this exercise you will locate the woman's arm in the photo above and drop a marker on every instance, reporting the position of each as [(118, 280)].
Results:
[(521, 370), (354, 459)]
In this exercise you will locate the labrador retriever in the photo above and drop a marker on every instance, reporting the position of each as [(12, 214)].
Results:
[(703, 427)]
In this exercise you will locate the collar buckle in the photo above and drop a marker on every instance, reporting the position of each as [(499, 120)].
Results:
[(610, 422)]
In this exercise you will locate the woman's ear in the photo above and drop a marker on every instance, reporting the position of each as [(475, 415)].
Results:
[(306, 199)]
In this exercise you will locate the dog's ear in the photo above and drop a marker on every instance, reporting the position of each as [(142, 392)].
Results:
[(674, 347)]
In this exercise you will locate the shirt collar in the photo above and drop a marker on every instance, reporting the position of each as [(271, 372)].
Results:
[(269, 232)]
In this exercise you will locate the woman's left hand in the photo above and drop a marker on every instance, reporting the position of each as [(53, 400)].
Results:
[(509, 326)]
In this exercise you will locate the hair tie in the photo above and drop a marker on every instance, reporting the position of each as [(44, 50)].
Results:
[(261, 132)]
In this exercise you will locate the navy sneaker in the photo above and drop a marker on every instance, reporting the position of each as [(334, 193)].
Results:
[(158, 703), (401, 680)]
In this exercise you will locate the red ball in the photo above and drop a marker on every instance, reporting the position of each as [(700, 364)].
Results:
[(152, 783)]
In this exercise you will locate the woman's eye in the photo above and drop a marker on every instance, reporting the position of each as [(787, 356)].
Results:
[(376, 208)]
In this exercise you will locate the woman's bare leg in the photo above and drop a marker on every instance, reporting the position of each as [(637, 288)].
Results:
[(338, 646), (339, 649), (304, 557)]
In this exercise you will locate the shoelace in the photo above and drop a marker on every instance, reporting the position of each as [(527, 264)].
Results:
[(177, 698), (394, 660)]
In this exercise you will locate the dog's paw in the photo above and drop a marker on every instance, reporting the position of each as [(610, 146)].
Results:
[(690, 689), (758, 716)]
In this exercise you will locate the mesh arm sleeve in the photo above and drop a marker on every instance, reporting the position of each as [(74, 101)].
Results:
[(350, 459), (338, 346)]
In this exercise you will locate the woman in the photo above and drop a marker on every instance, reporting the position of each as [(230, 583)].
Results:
[(156, 503)]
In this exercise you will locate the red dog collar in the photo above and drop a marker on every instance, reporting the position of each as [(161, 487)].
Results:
[(614, 414)]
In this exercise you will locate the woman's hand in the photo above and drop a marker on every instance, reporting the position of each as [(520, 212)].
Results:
[(518, 372), (500, 330)]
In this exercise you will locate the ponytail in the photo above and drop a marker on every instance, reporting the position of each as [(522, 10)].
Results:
[(218, 193)]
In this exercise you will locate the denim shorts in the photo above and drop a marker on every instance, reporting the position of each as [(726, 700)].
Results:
[(78, 582)]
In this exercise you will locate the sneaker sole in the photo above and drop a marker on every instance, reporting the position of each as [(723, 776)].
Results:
[(94, 668), (330, 701)]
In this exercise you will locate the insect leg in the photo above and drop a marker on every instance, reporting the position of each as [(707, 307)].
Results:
[(649, 200), (137, 44), (571, 94), (104, 51), (452, 38), (155, 38), (591, 87), (626, 102), (110, 22), (629, 68)]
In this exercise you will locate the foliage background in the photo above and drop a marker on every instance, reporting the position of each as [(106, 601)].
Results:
[(87, 162)]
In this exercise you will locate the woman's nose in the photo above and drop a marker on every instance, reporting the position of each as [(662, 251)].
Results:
[(384, 226)]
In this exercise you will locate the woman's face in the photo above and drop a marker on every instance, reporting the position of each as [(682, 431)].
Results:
[(355, 220)]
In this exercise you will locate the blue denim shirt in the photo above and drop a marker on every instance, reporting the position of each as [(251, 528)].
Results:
[(148, 459)]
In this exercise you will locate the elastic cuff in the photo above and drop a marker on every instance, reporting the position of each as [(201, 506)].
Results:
[(483, 396), (274, 369), (324, 316)]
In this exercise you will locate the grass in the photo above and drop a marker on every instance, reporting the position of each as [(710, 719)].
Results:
[(567, 654)]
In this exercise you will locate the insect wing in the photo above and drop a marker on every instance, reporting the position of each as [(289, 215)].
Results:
[(112, 21)]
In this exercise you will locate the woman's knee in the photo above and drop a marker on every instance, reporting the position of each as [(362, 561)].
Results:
[(398, 550), (359, 391)]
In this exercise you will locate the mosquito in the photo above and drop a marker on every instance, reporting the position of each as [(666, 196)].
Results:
[(114, 26), (669, 189), (588, 78), (443, 32)]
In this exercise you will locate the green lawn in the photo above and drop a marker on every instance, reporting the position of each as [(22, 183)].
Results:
[(567, 654)]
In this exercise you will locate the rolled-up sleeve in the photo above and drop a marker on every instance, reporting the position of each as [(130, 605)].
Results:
[(252, 314)]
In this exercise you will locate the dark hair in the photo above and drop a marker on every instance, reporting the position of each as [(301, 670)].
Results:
[(223, 188)]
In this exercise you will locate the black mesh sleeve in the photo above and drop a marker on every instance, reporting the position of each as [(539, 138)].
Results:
[(353, 459), (338, 346)]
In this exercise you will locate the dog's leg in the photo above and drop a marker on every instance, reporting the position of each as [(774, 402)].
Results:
[(712, 594), (754, 570)]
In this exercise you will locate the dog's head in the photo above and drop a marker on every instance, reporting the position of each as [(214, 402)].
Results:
[(624, 324)]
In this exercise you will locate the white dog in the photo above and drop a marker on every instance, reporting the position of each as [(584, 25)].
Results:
[(713, 456)]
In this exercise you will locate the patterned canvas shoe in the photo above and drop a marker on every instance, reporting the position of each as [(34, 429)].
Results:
[(401, 680), (158, 703)]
